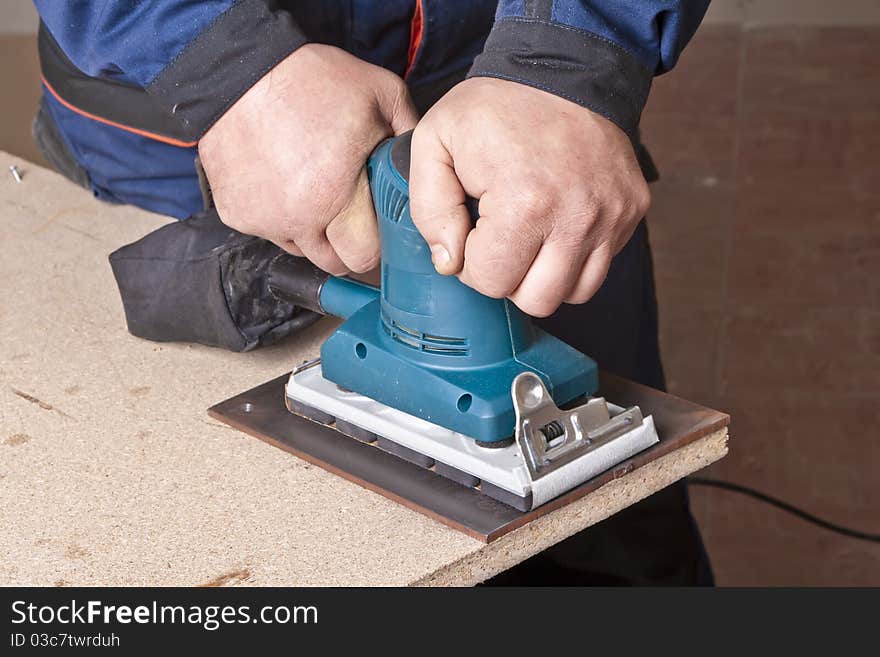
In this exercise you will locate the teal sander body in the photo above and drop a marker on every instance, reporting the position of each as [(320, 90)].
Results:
[(430, 347)]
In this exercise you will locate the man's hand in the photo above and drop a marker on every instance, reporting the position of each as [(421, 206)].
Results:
[(286, 162), (559, 186)]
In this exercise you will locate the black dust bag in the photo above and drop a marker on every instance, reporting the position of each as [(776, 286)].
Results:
[(198, 280)]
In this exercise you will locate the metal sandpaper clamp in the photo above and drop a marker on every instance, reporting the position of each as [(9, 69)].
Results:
[(563, 448), (555, 450)]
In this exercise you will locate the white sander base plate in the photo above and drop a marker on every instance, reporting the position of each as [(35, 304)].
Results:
[(502, 467)]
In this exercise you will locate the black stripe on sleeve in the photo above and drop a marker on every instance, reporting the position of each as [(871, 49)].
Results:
[(580, 66), (224, 61)]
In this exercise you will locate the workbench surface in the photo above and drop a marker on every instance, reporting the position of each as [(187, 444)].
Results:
[(112, 473)]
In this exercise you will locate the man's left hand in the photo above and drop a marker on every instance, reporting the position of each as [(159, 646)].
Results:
[(559, 186)]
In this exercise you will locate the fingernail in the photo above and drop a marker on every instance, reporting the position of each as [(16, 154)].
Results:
[(439, 255)]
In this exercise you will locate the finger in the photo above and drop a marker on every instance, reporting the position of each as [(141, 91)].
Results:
[(497, 256), (592, 275), (397, 107), (437, 203), (317, 248), (372, 277), (404, 117), (549, 280), (289, 246), (354, 234), (622, 238)]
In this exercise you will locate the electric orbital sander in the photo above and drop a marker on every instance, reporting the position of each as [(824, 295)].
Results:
[(442, 376)]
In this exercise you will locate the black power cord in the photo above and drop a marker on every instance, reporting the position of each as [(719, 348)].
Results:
[(785, 506)]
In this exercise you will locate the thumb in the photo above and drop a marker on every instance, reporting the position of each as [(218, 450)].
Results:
[(437, 202), (396, 106), (353, 233), (405, 116)]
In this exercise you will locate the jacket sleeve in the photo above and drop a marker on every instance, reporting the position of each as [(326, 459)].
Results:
[(195, 58), (601, 54)]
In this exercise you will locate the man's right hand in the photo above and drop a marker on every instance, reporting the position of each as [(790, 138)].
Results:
[(286, 161)]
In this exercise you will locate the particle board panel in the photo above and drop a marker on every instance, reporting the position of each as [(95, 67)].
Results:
[(111, 472), (261, 412)]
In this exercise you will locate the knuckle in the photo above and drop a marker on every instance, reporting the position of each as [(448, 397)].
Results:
[(643, 200), (619, 205), (492, 288), (510, 235), (423, 133), (570, 231), (387, 78), (537, 307), (396, 91), (632, 202), (238, 223), (306, 235), (531, 201), (363, 262), (330, 264), (359, 250), (336, 270), (515, 234), (398, 86), (311, 240), (485, 280), (591, 205), (290, 246)]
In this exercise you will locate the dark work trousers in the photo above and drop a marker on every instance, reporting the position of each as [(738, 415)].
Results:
[(654, 542)]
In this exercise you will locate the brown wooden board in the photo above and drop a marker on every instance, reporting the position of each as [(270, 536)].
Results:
[(261, 412)]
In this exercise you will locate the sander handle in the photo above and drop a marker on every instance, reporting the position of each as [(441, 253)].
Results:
[(298, 281)]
